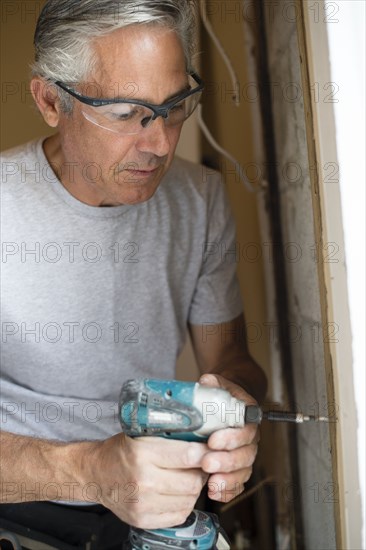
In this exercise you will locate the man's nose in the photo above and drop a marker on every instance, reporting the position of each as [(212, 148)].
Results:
[(154, 139)]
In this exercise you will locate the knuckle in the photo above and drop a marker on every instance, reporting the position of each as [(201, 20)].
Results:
[(250, 435), (231, 462), (192, 454)]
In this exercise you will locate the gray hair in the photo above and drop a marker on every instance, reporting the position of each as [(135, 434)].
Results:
[(66, 29)]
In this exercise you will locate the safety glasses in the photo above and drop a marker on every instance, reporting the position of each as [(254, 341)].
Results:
[(131, 116)]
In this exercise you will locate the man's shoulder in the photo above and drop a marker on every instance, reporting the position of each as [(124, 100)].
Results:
[(20, 151), (17, 159)]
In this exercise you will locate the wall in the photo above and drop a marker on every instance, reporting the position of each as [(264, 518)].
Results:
[(340, 37), (20, 121), (309, 329), (233, 127), (238, 130)]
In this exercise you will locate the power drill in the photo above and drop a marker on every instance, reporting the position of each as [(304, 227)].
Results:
[(192, 412)]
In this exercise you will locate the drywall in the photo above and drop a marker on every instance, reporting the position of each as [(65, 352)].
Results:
[(308, 328)]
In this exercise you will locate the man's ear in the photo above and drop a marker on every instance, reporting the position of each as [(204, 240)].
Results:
[(47, 100)]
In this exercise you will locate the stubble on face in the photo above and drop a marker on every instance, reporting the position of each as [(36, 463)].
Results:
[(126, 169), (144, 182)]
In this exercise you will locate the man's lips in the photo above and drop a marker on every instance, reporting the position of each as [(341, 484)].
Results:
[(142, 170), (138, 174)]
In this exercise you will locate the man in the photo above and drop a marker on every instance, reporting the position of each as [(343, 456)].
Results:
[(103, 272)]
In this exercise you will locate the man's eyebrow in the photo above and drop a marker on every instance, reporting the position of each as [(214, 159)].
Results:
[(186, 88), (169, 98)]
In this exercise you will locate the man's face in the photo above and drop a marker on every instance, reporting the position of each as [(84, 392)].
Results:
[(110, 168)]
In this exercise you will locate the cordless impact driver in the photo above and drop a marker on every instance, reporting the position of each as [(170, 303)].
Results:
[(192, 412)]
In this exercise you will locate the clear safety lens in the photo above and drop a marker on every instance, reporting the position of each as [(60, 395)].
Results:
[(130, 118)]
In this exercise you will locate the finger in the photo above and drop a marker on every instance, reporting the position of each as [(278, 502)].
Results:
[(155, 504), (218, 381), (232, 438), (225, 487), (176, 482), (226, 495), (230, 461), (172, 454), (212, 380), (157, 513), (160, 521), (228, 482)]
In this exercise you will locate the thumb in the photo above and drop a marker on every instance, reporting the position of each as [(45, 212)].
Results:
[(218, 381), (212, 380)]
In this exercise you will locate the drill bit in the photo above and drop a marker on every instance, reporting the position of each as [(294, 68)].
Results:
[(255, 415), (298, 418)]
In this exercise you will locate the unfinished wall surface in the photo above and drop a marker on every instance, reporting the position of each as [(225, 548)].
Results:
[(20, 121), (232, 126), (308, 332)]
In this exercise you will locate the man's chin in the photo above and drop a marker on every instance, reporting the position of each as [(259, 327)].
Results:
[(134, 190), (135, 194), (140, 198)]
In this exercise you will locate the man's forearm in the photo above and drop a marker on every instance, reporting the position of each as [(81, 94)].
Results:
[(226, 353), (35, 469), (246, 373), (148, 482)]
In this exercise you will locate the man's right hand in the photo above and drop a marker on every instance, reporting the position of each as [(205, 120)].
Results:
[(147, 482)]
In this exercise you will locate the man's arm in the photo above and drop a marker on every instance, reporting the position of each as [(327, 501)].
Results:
[(222, 349), (35, 469), (148, 482), (223, 358)]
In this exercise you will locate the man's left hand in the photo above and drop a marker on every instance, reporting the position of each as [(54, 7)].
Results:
[(232, 450)]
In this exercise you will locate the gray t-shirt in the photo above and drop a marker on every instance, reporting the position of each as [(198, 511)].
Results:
[(92, 296)]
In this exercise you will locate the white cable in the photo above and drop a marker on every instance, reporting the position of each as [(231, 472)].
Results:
[(221, 50), (222, 151), (238, 168)]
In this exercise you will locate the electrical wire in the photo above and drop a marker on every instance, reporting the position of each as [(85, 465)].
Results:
[(236, 98), (238, 168), (221, 50)]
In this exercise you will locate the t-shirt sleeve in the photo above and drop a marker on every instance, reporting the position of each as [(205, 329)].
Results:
[(217, 296)]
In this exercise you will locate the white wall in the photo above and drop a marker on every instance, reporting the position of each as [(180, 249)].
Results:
[(336, 49), (347, 59)]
